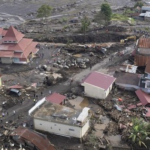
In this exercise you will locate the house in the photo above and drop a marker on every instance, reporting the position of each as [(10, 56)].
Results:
[(142, 52), (60, 120), (144, 9), (14, 48), (129, 68), (56, 98), (127, 81), (98, 85), (32, 139), (143, 97), (145, 83)]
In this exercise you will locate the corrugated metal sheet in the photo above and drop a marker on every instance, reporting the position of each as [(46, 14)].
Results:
[(141, 60), (42, 143), (144, 43), (143, 97)]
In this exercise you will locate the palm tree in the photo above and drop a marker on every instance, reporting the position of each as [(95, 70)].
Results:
[(139, 132)]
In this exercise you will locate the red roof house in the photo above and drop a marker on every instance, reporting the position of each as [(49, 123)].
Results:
[(56, 98), (143, 97), (16, 49), (98, 85)]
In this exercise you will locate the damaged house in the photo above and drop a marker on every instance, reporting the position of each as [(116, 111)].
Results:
[(14, 48), (60, 120), (31, 139), (142, 52), (98, 85)]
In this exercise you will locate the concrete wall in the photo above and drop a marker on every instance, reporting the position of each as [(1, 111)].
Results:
[(61, 129), (6, 60), (93, 91)]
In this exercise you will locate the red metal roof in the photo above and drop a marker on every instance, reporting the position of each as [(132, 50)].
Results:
[(6, 54), (99, 79), (56, 98), (144, 97), (42, 143), (13, 35)]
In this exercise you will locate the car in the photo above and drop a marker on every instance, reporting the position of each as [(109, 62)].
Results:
[(15, 92)]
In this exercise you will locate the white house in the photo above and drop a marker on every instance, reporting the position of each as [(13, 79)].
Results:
[(60, 120), (98, 85)]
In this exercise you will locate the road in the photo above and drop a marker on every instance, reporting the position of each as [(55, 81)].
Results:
[(63, 87)]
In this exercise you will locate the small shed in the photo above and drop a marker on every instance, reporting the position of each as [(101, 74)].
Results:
[(98, 85), (56, 98), (143, 97)]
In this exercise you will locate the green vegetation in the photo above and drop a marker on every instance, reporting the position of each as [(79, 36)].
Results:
[(85, 23), (44, 11), (106, 11), (120, 17), (139, 4), (104, 16), (128, 11), (139, 132)]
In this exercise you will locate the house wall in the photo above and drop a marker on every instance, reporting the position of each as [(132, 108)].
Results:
[(61, 129), (6, 60), (108, 90), (93, 91)]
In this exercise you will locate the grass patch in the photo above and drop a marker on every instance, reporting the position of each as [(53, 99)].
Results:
[(120, 17)]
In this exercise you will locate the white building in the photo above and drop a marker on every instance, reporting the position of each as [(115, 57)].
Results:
[(98, 85), (60, 120)]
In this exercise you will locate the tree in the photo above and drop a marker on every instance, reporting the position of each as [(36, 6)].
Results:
[(44, 11), (85, 25), (106, 11), (138, 4), (139, 132)]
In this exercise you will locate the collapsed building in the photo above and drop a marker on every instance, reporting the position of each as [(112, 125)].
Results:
[(31, 139), (14, 48), (60, 120)]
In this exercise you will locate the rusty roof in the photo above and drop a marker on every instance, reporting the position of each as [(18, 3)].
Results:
[(41, 142), (56, 98), (140, 60), (144, 43), (144, 97)]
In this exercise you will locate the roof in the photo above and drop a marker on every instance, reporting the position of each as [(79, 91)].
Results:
[(21, 46), (147, 14), (144, 98), (144, 42), (57, 113), (56, 98), (41, 142), (127, 78), (145, 7), (13, 35), (147, 69), (6, 54), (99, 79), (141, 60)]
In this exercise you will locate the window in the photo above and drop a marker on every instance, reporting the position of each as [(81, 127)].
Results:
[(71, 129)]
